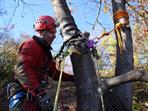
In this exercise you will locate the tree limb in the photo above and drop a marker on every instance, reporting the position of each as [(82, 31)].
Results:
[(131, 76)]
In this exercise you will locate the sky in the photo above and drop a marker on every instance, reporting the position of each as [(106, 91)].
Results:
[(24, 16)]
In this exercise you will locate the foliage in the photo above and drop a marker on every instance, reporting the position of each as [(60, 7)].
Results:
[(8, 57)]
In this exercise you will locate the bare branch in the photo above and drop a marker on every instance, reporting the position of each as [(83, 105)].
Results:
[(5, 30), (97, 21), (131, 76)]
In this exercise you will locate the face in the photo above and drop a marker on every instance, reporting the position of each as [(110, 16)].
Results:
[(48, 35)]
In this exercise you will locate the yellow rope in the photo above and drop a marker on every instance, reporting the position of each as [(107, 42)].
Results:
[(59, 84), (119, 37)]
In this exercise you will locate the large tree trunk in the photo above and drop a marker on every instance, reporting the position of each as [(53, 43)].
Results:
[(83, 67), (86, 83), (124, 57)]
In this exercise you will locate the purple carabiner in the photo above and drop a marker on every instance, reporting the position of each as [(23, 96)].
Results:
[(90, 43)]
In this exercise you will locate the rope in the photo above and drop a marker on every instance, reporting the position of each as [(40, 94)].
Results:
[(59, 84), (119, 37), (99, 81), (103, 35)]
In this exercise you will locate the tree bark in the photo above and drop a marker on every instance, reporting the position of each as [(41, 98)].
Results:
[(124, 58), (64, 19), (88, 98)]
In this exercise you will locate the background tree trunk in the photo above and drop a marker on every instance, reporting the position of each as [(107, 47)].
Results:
[(124, 58)]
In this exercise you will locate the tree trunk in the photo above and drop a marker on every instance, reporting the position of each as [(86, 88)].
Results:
[(83, 67), (88, 98), (124, 55)]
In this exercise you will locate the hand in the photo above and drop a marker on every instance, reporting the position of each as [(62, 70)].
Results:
[(58, 63), (45, 102)]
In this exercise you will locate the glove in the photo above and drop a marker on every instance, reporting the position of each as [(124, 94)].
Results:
[(44, 101)]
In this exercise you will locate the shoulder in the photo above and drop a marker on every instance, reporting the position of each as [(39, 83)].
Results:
[(29, 44)]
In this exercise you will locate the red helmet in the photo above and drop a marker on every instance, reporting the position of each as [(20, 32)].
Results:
[(44, 22)]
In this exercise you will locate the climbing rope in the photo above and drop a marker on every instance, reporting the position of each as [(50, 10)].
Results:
[(64, 52), (59, 83), (99, 80)]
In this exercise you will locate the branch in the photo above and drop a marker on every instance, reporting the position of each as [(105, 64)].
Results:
[(131, 76), (97, 21)]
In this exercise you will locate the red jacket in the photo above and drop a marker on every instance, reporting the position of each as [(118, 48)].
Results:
[(34, 64)]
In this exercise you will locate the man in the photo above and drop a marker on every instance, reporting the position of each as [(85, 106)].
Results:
[(35, 65)]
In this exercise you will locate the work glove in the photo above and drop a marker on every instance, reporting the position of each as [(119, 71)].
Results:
[(44, 101)]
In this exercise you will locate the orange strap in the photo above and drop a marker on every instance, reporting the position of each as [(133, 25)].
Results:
[(120, 14)]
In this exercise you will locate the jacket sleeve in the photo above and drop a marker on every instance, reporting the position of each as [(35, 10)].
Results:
[(55, 73), (23, 71)]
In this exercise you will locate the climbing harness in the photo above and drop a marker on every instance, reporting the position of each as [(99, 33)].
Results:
[(14, 100)]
